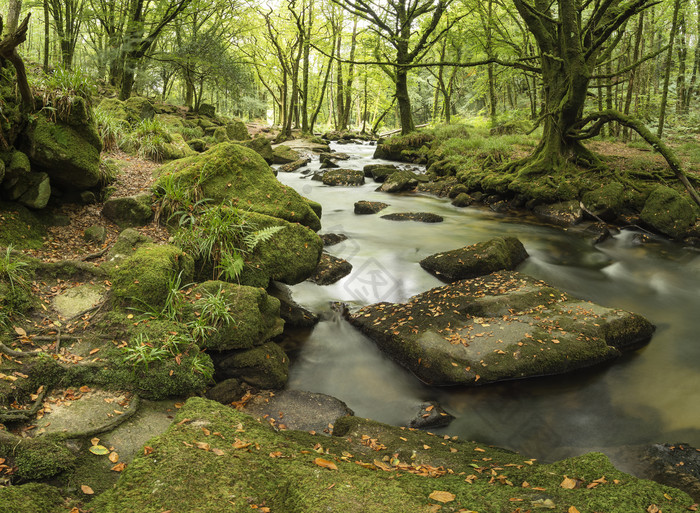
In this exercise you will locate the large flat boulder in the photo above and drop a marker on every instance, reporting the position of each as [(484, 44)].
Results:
[(232, 172), (499, 327)]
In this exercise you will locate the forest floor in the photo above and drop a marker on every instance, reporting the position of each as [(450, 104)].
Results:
[(136, 176)]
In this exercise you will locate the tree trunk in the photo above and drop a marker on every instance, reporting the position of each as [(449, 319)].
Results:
[(631, 85), (47, 33), (667, 71), (13, 10), (404, 102)]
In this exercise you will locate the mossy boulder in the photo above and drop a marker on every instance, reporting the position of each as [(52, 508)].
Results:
[(237, 131), (667, 212), (462, 200), (37, 458), (367, 468), (565, 213), (379, 172), (606, 201), (256, 316), (198, 145), (501, 253), (351, 177), (400, 181), (31, 189), (177, 148), (330, 269), (369, 207), (503, 326), (404, 148), (21, 227), (264, 366), (129, 211), (283, 154), (262, 146), (145, 277), (290, 256), (140, 108), (421, 217), (220, 134), (232, 172), (70, 155), (116, 109), (31, 497), (207, 109)]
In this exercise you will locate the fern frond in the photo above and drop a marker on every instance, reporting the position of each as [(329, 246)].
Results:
[(253, 239)]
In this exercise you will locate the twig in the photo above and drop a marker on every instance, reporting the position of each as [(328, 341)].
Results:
[(11, 352), (93, 256), (21, 415)]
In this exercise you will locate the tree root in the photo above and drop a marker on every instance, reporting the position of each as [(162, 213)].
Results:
[(94, 256), (109, 426), (18, 354), (23, 415)]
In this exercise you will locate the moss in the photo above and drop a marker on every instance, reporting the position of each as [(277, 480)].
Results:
[(70, 157), (31, 497), (145, 278), (232, 172), (237, 131), (261, 145), (315, 206), (129, 211), (265, 366), (405, 148), (668, 212), (116, 109), (283, 154), (606, 201), (21, 227), (220, 135), (277, 471), (256, 316), (290, 256), (177, 148), (38, 458)]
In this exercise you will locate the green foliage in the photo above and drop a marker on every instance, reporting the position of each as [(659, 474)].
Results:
[(214, 313), (12, 269), (141, 351), (112, 130), (147, 139), (61, 88)]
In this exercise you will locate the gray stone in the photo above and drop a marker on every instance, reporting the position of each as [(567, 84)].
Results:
[(78, 299), (226, 392), (330, 269), (560, 214), (369, 207), (95, 233)]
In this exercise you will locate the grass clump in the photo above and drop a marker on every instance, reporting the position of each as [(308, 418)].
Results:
[(62, 89), (147, 139)]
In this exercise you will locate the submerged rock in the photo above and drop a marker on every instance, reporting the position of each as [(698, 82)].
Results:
[(369, 207), (400, 181), (501, 253), (499, 327), (423, 217), (676, 465), (331, 239), (330, 269), (430, 415), (293, 166)]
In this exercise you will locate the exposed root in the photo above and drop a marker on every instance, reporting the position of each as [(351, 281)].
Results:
[(23, 415)]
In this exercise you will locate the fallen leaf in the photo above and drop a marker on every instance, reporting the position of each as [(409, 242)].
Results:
[(568, 483), (325, 464), (95, 441), (441, 496), (86, 490), (113, 457), (218, 452), (83, 389), (100, 450), (119, 467), (147, 449), (573, 509), (93, 351), (654, 509), (20, 331), (202, 445)]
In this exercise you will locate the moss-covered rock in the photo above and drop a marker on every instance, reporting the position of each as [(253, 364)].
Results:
[(421, 217), (198, 145), (69, 155), (404, 148), (126, 243), (283, 154), (379, 172), (116, 109), (177, 148), (232, 172), (145, 277), (36, 458), (368, 468), (31, 497), (32, 190), (256, 316), (264, 366), (606, 202), (369, 207), (501, 253), (499, 327), (403, 180), (237, 131), (220, 135), (129, 211), (351, 177), (330, 269), (668, 212), (566, 213), (261, 145), (20, 227), (290, 256), (140, 108)]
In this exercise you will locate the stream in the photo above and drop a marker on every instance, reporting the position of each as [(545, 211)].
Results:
[(650, 396)]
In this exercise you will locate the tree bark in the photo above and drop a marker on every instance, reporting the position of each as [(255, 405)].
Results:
[(13, 10), (667, 71), (8, 50)]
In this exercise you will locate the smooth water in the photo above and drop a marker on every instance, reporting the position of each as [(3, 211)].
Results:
[(650, 396)]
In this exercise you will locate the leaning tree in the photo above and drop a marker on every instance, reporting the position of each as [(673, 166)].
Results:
[(574, 37)]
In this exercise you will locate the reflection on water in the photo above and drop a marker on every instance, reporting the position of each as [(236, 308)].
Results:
[(650, 396)]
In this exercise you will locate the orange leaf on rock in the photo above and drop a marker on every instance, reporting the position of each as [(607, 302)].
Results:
[(441, 496), (86, 490), (568, 483), (573, 509), (325, 464), (113, 457), (147, 450), (218, 452), (119, 467), (654, 509)]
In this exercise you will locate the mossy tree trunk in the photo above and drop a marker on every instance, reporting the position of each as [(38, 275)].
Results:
[(570, 40)]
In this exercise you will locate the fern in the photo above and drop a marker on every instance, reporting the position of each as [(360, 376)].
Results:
[(253, 239), (231, 265)]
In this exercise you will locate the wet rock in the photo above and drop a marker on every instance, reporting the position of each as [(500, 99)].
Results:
[(369, 207), (129, 211), (379, 172), (669, 213), (501, 253), (560, 214), (676, 465), (503, 326), (95, 233), (598, 232), (330, 269), (226, 392), (284, 155), (293, 166), (457, 190), (462, 200), (352, 177), (439, 188), (298, 409), (331, 239), (293, 314), (400, 181), (265, 366), (330, 160), (606, 202), (430, 415), (423, 217)]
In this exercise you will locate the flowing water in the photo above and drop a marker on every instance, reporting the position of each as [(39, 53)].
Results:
[(650, 396)]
